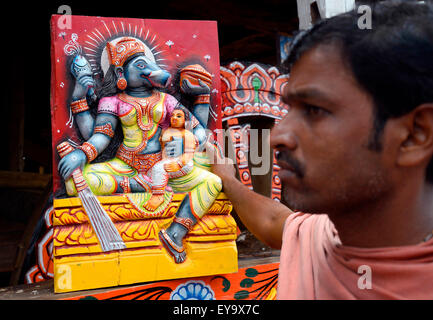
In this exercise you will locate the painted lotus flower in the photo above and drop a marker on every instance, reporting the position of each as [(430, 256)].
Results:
[(193, 290)]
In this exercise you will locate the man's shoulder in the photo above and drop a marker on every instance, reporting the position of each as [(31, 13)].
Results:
[(299, 215), (306, 222)]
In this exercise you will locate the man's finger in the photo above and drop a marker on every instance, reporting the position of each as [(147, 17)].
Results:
[(212, 152)]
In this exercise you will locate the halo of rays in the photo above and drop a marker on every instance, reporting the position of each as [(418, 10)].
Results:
[(94, 41)]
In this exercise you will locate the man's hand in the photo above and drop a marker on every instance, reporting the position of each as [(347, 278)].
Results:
[(224, 168), (221, 166), (263, 216)]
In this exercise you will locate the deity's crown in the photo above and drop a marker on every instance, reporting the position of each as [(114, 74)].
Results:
[(123, 49)]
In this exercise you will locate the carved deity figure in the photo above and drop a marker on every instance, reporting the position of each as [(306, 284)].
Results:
[(151, 154), (172, 167)]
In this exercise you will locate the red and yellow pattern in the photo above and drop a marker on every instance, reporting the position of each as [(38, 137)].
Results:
[(79, 106), (122, 50), (90, 151), (252, 90), (251, 283), (76, 247), (106, 129)]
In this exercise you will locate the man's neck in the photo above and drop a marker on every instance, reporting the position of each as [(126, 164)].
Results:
[(402, 219)]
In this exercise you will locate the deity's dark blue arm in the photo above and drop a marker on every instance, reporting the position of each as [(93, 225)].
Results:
[(201, 113), (82, 93), (198, 122), (98, 132), (103, 131), (85, 123), (200, 133), (200, 109)]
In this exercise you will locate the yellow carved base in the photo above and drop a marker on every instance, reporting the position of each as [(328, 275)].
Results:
[(133, 266), (79, 263)]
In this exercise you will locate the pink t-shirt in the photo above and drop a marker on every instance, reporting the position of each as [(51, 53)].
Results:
[(314, 265)]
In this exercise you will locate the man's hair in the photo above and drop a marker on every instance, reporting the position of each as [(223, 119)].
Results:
[(392, 61)]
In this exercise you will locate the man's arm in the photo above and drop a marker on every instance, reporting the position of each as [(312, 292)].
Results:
[(263, 216)]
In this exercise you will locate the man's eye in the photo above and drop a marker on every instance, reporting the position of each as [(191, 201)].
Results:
[(311, 110)]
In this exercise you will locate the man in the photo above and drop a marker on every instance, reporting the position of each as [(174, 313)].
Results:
[(355, 154)]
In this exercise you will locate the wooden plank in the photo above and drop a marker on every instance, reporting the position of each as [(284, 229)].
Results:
[(10, 234), (26, 238), (45, 290), (245, 263), (7, 255), (39, 291), (29, 180)]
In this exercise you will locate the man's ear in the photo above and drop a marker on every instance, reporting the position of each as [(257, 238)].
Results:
[(416, 147)]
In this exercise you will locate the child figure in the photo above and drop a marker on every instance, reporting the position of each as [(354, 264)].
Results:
[(170, 167)]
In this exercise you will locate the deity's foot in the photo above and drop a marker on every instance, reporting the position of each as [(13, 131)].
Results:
[(154, 202), (177, 252)]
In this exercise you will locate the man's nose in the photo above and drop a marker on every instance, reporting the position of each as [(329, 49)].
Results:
[(283, 134)]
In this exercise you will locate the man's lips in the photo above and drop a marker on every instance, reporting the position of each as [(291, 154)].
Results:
[(289, 166), (286, 172), (285, 166)]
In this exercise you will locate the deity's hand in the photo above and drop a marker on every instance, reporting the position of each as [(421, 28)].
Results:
[(188, 88), (174, 148), (70, 162), (82, 72), (172, 166)]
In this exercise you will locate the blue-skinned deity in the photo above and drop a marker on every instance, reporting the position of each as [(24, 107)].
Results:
[(131, 96)]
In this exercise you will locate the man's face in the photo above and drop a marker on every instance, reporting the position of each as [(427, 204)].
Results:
[(326, 165)]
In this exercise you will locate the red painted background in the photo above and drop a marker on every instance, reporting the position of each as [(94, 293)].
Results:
[(177, 41)]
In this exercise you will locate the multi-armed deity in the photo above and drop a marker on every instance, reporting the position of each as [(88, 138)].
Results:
[(145, 188)]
